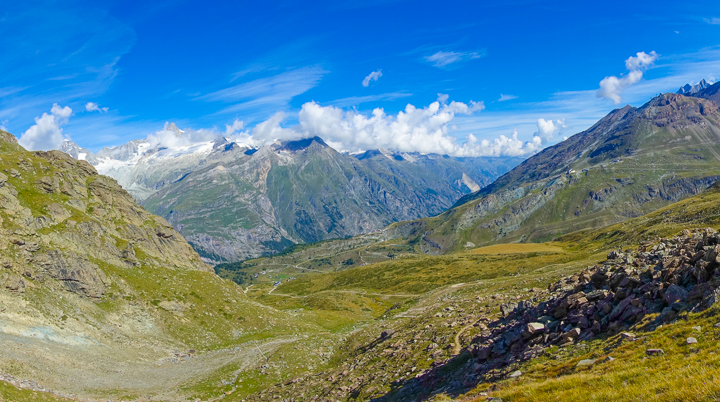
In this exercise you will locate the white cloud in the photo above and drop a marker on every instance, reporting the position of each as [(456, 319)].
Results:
[(426, 130), (501, 146), (46, 133), (547, 129), (612, 87), (504, 97), (2, 125), (713, 20), (374, 76), (270, 130), (94, 107), (442, 59), (231, 129)]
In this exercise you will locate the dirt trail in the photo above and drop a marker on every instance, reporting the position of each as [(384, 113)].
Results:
[(93, 372)]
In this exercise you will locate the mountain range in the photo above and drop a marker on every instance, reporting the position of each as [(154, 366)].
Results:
[(233, 201), (631, 162)]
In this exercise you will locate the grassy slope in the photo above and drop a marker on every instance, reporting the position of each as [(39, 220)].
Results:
[(476, 283), (132, 316)]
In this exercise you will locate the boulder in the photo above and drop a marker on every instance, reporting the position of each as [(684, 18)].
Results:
[(675, 293), (507, 308), (585, 363), (532, 329), (571, 335)]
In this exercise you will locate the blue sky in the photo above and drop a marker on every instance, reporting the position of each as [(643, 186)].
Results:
[(292, 68)]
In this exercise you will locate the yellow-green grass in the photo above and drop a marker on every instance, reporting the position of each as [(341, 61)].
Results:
[(686, 372), (515, 248), (10, 393)]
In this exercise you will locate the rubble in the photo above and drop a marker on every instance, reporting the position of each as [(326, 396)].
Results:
[(667, 277)]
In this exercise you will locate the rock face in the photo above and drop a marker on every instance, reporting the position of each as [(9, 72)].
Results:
[(594, 178), (234, 202), (61, 224)]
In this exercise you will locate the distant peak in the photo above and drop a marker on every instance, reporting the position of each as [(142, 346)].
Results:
[(304, 143), (688, 89), (172, 127)]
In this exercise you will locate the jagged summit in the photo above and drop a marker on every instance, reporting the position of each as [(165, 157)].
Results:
[(172, 127), (688, 89), (77, 152), (711, 93)]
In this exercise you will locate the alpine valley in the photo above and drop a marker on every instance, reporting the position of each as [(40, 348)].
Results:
[(589, 271)]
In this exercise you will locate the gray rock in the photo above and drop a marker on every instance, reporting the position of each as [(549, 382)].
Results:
[(655, 352), (586, 363), (571, 335), (507, 308), (691, 341), (675, 293), (515, 374), (78, 274), (533, 329)]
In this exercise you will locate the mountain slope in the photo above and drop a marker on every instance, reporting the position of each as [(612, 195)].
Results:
[(233, 202), (631, 162), (99, 299)]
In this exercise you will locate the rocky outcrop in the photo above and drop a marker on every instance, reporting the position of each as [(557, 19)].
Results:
[(61, 223), (77, 274)]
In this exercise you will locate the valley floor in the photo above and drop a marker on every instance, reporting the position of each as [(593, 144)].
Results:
[(395, 330)]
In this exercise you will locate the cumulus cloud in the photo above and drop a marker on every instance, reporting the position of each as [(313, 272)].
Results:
[(501, 146), (426, 130), (612, 87), (94, 107), (270, 130), (504, 97), (443, 59), (548, 128), (46, 133), (374, 76), (233, 128)]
